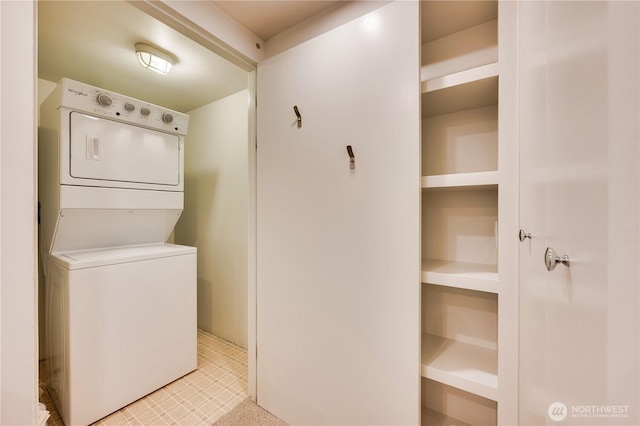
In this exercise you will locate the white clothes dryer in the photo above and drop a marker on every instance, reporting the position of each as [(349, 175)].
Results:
[(120, 302)]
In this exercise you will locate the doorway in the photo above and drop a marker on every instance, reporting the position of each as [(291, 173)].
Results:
[(77, 42)]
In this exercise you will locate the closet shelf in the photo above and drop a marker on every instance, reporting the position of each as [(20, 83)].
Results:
[(461, 91), (461, 180), (463, 77), (468, 367), (470, 276), (434, 418)]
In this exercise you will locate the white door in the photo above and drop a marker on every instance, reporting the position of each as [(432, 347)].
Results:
[(338, 284), (579, 159)]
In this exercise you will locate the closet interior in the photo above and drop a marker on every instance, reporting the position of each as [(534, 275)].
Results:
[(459, 89)]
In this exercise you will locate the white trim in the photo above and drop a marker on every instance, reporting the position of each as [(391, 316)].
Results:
[(18, 201), (458, 78), (508, 212), (252, 350)]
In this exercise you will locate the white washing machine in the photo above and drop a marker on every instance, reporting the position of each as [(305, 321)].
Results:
[(120, 302)]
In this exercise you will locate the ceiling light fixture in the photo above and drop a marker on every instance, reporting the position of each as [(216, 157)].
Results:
[(154, 59)]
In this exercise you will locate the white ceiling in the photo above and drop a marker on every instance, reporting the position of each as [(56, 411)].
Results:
[(268, 18), (93, 42)]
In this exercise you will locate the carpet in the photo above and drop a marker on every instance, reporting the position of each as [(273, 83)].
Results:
[(248, 413)]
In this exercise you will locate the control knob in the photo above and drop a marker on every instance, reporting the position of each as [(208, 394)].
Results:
[(167, 118), (129, 107), (145, 111), (104, 99)]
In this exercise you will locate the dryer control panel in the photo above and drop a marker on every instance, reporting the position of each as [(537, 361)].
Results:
[(96, 101)]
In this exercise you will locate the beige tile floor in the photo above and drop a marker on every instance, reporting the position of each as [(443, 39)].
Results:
[(199, 398)]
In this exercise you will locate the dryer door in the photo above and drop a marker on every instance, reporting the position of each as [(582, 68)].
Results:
[(107, 150)]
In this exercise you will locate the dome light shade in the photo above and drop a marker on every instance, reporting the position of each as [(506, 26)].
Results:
[(154, 59)]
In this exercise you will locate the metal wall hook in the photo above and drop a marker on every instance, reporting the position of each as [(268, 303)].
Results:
[(551, 259), (352, 157), (295, 109)]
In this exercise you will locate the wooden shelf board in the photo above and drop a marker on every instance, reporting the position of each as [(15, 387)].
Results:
[(470, 276), (434, 418), (461, 180), (468, 367), (456, 79), (460, 97)]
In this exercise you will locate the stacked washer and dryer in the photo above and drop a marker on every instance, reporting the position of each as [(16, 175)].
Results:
[(120, 303)]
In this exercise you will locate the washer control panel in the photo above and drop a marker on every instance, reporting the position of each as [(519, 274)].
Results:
[(96, 101)]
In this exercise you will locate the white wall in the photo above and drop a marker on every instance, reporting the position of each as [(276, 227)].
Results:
[(332, 17), (215, 218), (45, 87), (338, 249), (18, 271)]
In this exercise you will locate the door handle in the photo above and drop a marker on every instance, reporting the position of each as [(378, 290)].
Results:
[(551, 259)]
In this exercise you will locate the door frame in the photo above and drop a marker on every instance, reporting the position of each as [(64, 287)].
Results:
[(508, 212), (18, 251)]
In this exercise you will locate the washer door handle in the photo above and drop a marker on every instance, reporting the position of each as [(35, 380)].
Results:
[(551, 259)]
